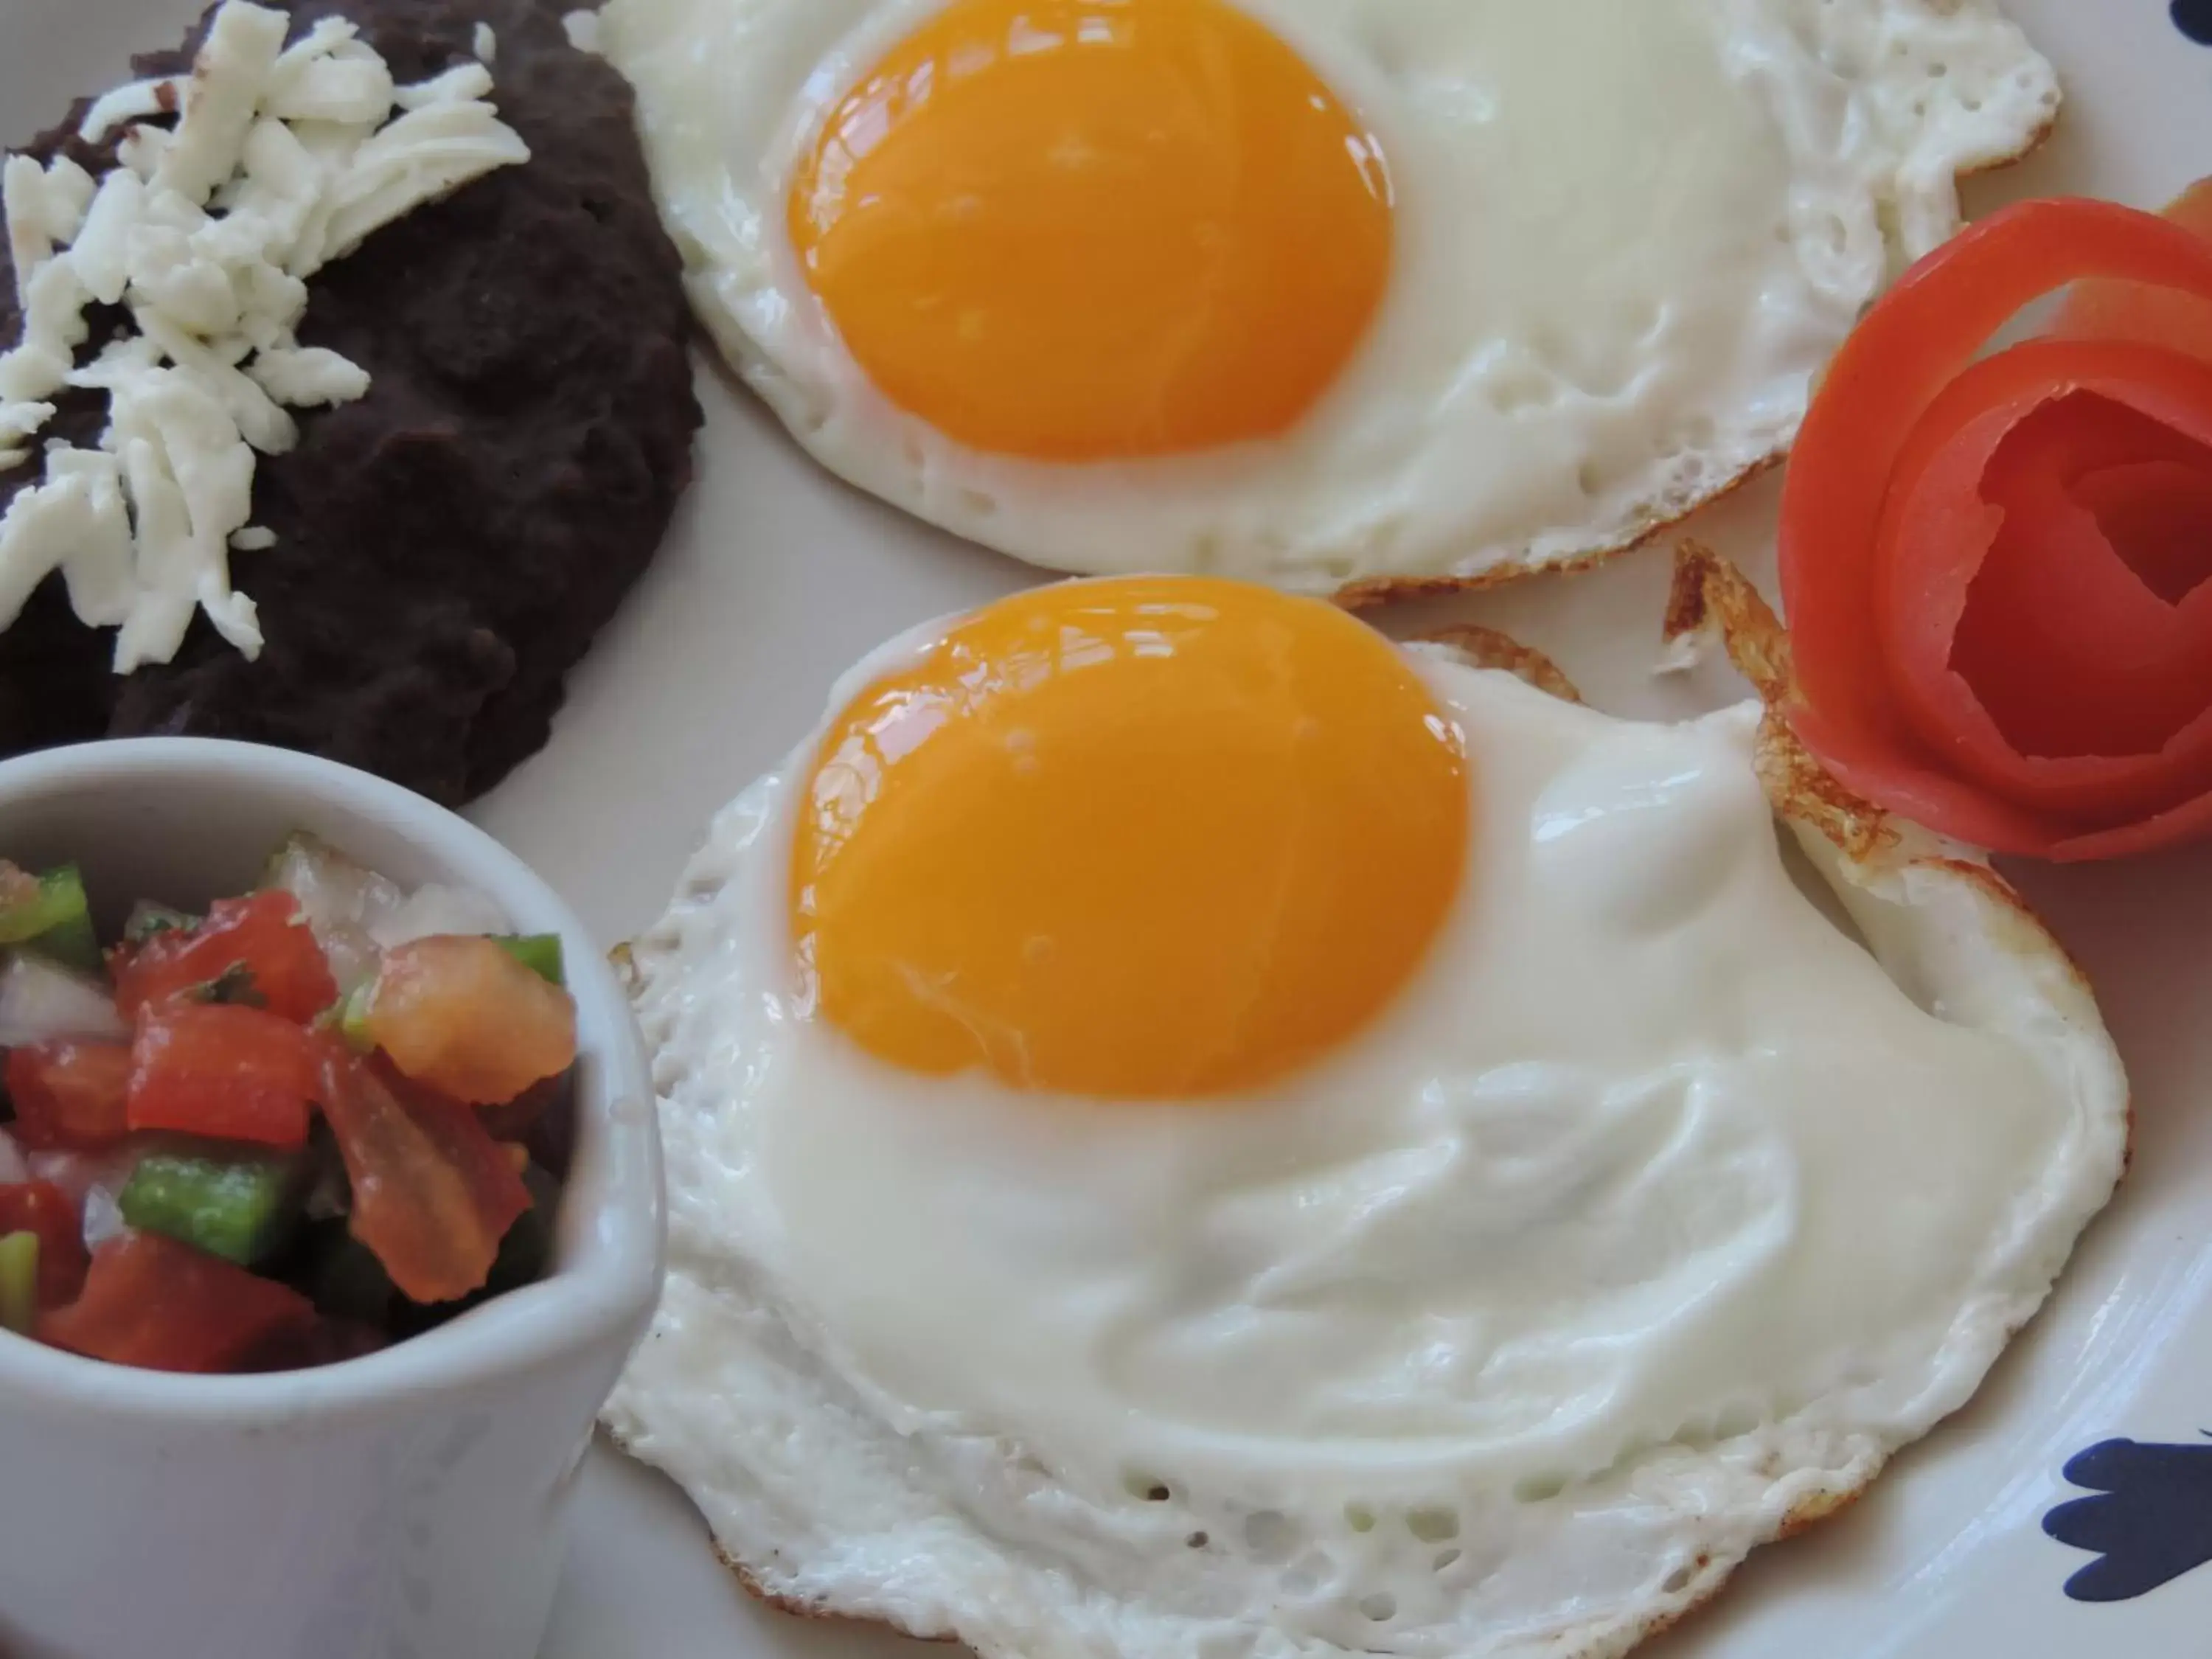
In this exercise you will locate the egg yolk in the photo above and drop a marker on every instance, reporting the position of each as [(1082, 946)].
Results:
[(1087, 229), (1140, 838)]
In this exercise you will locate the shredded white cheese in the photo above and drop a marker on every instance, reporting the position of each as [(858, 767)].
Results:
[(128, 103), (283, 159), (485, 44)]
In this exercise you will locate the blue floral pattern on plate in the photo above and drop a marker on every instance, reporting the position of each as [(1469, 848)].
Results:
[(2149, 1522)]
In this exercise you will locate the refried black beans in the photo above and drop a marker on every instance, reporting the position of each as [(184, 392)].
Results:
[(447, 546)]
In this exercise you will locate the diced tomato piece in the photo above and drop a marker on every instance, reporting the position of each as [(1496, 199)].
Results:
[(463, 1018), (262, 936), (41, 1207), (70, 1095), (149, 1301), (433, 1192), (234, 1073)]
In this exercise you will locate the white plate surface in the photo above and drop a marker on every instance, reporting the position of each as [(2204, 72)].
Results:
[(776, 578)]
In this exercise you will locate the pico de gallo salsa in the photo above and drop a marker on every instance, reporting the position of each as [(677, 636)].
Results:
[(308, 1121)]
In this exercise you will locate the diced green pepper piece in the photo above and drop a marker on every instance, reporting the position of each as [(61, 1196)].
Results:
[(57, 923), (19, 1282), (239, 1209), (538, 952)]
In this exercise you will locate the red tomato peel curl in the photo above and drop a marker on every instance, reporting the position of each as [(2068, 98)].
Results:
[(1976, 649)]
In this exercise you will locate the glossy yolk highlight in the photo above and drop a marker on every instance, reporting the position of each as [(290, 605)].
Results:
[(1086, 230), (1140, 838)]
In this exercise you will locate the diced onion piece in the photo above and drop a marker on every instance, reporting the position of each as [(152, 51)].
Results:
[(431, 910), (94, 1179), (39, 1001), (338, 898)]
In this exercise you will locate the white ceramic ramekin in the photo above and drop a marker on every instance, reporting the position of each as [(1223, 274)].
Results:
[(406, 1505)]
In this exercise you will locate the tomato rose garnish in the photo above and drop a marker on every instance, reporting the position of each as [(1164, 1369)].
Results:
[(1995, 568)]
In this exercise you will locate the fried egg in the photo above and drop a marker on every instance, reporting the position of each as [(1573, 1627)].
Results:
[(1309, 292), (1194, 1131)]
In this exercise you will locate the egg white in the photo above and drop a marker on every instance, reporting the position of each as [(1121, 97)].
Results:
[(1629, 232), (1652, 1219)]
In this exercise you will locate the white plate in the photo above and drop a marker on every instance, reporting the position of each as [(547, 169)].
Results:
[(776, 578)]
